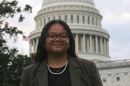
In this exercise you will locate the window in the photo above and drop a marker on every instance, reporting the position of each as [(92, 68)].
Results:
[(118, 78), (88, 20), (48, 19), (71, 18), (96, 22), (40, 22), (60, 17), (92, 21), (53, 17), (77, 18), (44, 21), (104, 80), (65, 18), (83, 18)]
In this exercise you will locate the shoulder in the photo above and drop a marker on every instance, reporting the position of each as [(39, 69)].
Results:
[(30, 67), (85, 61), (86, 64), (89, 68), (27, 70)]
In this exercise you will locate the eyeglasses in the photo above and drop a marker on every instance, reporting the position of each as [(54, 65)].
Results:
[(53, 36)]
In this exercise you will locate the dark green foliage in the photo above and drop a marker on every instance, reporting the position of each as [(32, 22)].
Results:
[(9, 8), (11, 63)]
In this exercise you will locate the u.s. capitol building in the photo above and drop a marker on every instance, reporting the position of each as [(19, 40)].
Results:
[(91, 40)]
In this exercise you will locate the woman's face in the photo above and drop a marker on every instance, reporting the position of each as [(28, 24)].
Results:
[(57, 40)]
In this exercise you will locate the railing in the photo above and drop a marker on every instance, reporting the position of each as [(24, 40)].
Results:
[(113, 64)]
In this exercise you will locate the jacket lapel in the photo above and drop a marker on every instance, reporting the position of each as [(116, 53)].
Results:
[(75, 71), (42, 74)]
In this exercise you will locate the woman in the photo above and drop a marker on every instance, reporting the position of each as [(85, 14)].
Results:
[(56, 62)]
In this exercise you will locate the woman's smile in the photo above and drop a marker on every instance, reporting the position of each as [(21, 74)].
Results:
[(57, 39)]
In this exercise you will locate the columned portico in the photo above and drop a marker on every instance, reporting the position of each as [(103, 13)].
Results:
[(101, 51)]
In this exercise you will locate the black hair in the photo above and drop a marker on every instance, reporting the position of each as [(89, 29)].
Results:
[(41, 51)]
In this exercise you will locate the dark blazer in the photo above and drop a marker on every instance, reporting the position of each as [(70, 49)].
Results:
[(82, 73)]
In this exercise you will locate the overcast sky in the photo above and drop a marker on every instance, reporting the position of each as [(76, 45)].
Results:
[(116, 20)]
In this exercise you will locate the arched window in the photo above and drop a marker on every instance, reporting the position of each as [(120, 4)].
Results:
[(40, 22), (48, 19), (88, 20), (60, 17), (118, 78), (77, 18), (44, 21), (92, 21), (53, 17), (96, 22), (83, 18), (71, 18), (65, 18)]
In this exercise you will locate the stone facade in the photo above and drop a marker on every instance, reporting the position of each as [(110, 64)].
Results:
[(115, 73), (91, 40)]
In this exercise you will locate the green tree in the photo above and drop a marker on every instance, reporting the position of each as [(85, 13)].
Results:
[(11, 63)]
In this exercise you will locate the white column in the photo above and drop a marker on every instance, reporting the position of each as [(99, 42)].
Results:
[(126, 79), (46, 19), (98, 22), (88, 47), (86, 19), (90, 43), (80, 19), (84, 44), (90, 20), (109, 80), (51, 17), (33, 46), (93, 45), (105, 46), (108, 47), (63, 17), (76, 43), (36, 24), (30, 47), (75, 19), (40, 22), (36, 44), (101, 45), (96, 40), (69, 18), (56, 17)]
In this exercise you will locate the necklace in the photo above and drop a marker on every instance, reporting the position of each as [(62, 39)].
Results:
[(58, 70)]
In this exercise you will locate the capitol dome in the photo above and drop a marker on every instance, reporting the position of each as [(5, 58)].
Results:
[(86, 2), (91, 40)]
